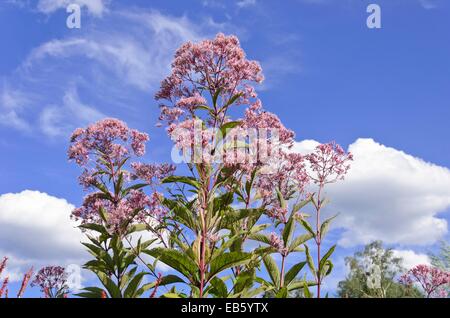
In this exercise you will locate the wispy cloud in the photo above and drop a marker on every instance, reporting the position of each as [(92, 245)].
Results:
[(12, 102), (246, 3), (94, 7), (123, 55), (428, 4)]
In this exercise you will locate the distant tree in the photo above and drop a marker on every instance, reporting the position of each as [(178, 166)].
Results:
[(374, 273), (442, 259)]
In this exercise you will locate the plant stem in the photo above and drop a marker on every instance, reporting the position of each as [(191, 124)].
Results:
[(283, 259), (318, 239)]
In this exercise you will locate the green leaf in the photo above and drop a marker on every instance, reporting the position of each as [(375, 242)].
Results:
[(308, 227), (216, 96), (300, 205), (110, 286), (326, 268), (177, 260), (244, 281), (293, 272), (227, 260), (219, 288), (282, 293), (299, 240), (137, 228), (263, 238), (309, 261), (233, 99), (288, 230), (325, 226), (94, 227), (272, 269), (134, 187), (91, 292), (132, 288), (186, 180), (281, 199), (326, 256), (306, 291)]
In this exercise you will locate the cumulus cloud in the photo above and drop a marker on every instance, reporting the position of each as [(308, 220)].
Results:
[(388, 195), (35, 229), (411, 258)]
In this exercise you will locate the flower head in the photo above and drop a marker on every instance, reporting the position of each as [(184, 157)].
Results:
[(52, 281), (434, 281), (218, 66), (329, 163)]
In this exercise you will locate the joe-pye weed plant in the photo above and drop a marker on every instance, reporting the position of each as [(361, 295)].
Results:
[(239, 202)]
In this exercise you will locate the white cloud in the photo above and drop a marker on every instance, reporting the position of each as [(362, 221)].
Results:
[(109, 64), (428, 4), (389, 195), (411, 258), (95, 7), (12, 102), (246, 3), (61, 120), (35, 229)]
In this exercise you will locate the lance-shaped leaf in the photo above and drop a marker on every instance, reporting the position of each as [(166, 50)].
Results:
[(299, 240), (281, 199), (225, 261), (272, 269), (326, 268), (309, 261), (300, 205), (288, 230), (110, 286), (177, 260), (182, 179), (325, 226), (308, 227), (293, 272), (133, 286), (326, 256), (218, 288), (165, 280), (94, 227), (244, 281), (263, 238), (306, 291), (282, 293)]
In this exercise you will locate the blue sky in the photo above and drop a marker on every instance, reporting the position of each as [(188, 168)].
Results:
[(328, 77)]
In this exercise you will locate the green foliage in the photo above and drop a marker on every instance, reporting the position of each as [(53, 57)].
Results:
[(374, 273)]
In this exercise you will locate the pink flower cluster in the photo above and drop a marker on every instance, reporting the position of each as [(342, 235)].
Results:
[(135, 207), (110, 144), (329, 163), (190, 135), (218, 66), (256, 117), (51, 278), (109, 138), (289, 176), (151, 173), (434, 281), (277, 243)]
